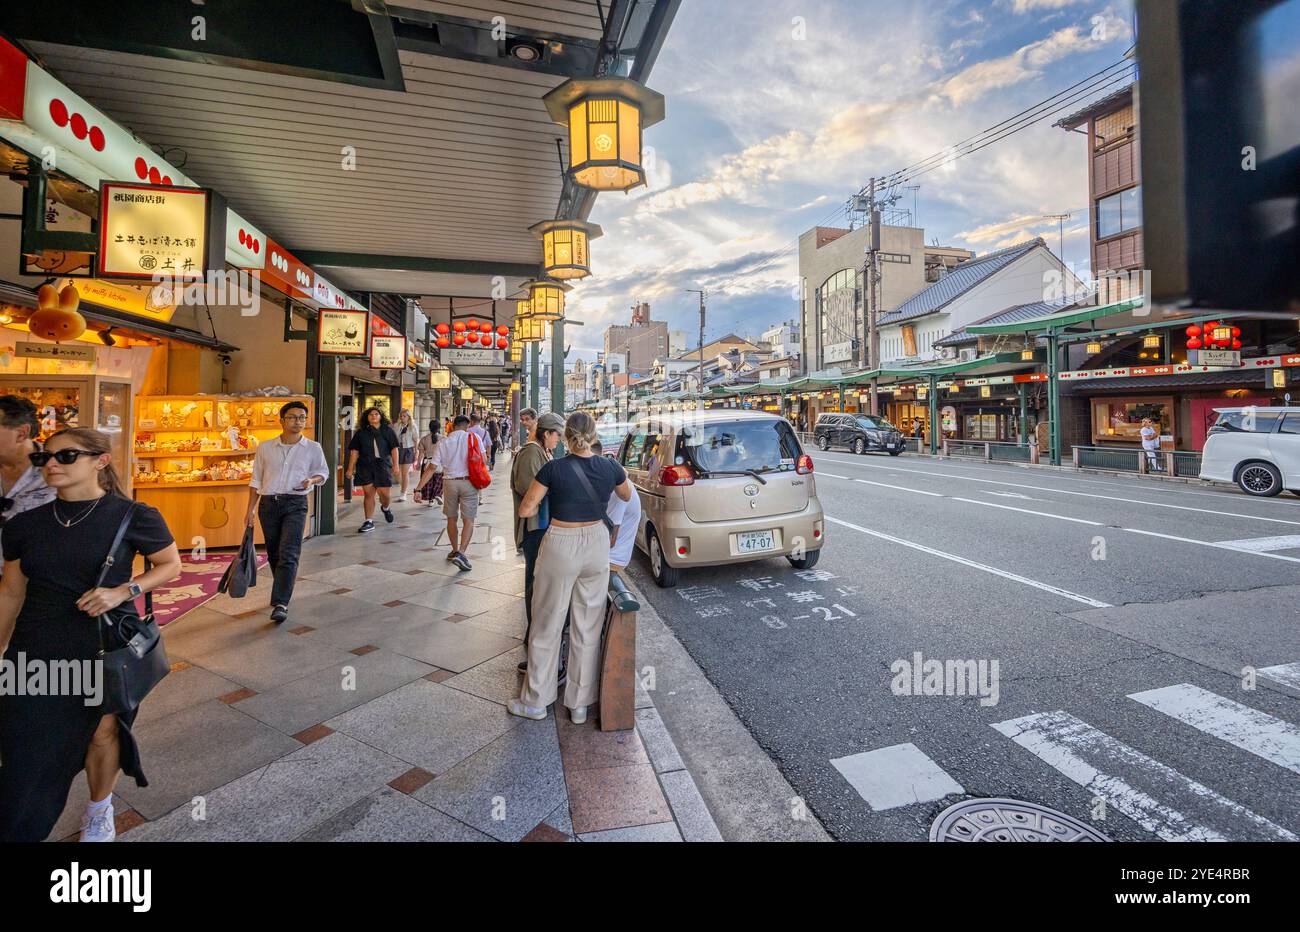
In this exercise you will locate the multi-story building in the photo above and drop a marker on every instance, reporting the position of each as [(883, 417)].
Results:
[(641, 341), (783, 339), (676, 342)]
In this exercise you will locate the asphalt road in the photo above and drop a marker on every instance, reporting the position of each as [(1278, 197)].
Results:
[(1121, 614)]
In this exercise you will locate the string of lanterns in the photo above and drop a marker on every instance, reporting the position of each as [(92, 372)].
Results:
[(1214, 335)]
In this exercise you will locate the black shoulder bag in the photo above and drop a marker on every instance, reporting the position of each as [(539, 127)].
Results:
[(135, 668), (586, 484)]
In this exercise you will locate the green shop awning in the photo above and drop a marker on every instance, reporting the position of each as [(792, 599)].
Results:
[(1069, 318)]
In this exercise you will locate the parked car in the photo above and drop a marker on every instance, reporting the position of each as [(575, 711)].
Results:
[(861, 433), (722, 487), (612, 434), (1257, 448)]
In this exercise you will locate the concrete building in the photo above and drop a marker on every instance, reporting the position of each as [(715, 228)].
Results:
[(676, 342), (832, 304), (783, 339), (641, 342)]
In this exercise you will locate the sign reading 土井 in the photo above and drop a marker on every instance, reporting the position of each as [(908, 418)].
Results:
[(387, 352), (147, 231), (343, 333)]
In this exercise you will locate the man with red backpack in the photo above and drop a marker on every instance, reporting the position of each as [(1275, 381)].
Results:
[(459, 495)]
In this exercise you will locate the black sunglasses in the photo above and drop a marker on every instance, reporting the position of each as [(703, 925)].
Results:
[(65, 457)]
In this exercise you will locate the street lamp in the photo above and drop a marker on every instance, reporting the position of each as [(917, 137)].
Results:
[(605, 117), (546, 299), (565, 252)]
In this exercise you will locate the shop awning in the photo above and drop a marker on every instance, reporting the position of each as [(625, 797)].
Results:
[(987, 365), (1068, 318)]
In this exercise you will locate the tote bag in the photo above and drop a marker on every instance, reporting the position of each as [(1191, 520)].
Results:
[(479, 477)]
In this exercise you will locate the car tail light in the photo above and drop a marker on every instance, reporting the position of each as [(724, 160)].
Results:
[(805, 465), (676, 475), (681, 551)]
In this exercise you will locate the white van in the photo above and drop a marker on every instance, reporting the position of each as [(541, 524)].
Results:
[(1257, 448)]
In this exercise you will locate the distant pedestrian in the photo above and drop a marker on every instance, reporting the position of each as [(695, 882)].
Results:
[(527, 422), (494, 436), (459, 497), (285, 470), (57, 582), (408, 437), (1150, 443), (22, 487), (572, 571), (429, 486), (372, 460)]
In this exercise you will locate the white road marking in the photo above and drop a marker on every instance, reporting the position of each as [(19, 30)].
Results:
[(1210, 543), (1262, 544), (1240, 725), (901, 488), (1028, 511), (1046, 587), (1288, 674), (1111, 498), (1095, 760), (832, 475), (901, 775), (1010, 495)]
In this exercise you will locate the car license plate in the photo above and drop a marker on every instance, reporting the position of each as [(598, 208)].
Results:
[(755, 541)]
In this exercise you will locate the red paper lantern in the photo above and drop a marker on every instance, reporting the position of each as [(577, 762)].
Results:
[(502, 342), (459, 339), (1210, 325), (1193, 343), (472, 336), (476, 325), (459, 326), (1236, 344), (503, 330), (443, 329), (1236, 332), (443, 342), (1193, 331)]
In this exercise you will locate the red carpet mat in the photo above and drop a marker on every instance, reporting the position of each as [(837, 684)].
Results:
[(196, 584)]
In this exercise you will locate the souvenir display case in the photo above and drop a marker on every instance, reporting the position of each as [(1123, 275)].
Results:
[(193, 457), (79, 401)]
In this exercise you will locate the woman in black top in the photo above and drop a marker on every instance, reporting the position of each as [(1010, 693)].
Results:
[(49, 607), (372, 460), (572, 573)]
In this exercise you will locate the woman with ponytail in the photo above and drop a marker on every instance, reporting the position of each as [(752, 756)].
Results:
[(50, 604)]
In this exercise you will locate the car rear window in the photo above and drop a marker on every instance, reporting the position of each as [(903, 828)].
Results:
[(734, 446), (1248, 421)]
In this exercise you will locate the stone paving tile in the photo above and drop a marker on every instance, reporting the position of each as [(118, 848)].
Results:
[(560, 818), (259, 596), (412, 780), (322, 694), (197, 750), (658, 742), (378, 624), (181, 689), (489, 566), (689, 811), (509, 583), (321, 611), (507, 620), (462, 600), (615, 797), (202, 632), (388, 815), (508, 787), (270, 662), (449, 645), (498, 679), (427, 724), (283, 799), (661, 831), (405, 588), (586, 747), (354, 577)]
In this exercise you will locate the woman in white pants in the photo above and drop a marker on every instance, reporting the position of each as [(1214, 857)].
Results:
[(572, 574)]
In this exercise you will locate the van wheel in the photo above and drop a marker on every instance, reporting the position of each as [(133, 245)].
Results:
[(824, 442), (1259, 479), (665, 575), (809, 560)]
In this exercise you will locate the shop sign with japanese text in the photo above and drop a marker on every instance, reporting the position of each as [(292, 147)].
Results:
[(343, 333), (150, 230)]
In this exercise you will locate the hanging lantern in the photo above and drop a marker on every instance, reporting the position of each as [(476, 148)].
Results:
[(1236, 344), (605, 117), (546, 299), (442, 329), (459, 326), (1151, 341), (472, 337), (516, 352), (1194, 343), (443, 342), (530, 330), (503, 331), (459, 339), (502, 342), (1094, 348), (1223, 334), (564, 247), (1236, 332), (1193, 331), (523, 309)]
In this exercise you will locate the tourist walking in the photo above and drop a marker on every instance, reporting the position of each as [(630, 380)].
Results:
[(408, 437), (49, 603), (285, 470), (22, 487), (494, 437), (459, 497), (372, 459), (429, 486), (572, 571)]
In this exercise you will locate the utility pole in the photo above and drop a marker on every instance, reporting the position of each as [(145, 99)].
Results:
[(700, 383), (873, 273), (1060, 219)]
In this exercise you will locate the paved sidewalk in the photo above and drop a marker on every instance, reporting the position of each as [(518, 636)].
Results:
[(377, 711)]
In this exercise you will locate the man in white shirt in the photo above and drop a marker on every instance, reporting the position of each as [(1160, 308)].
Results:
[(22, 485), (285, 470), (478, 430), (626, 516), (459, 497)]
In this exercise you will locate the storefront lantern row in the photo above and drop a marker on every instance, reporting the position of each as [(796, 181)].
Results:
[(605, 117), (565, 253), (546, 299)]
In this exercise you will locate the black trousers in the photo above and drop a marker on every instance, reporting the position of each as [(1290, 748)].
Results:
[(492, 454), (284, 518)]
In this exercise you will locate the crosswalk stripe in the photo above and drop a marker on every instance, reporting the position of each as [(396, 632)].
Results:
[(1263, 544), (1288, 674), (1240, 725), (1095, 761), (901, 775)]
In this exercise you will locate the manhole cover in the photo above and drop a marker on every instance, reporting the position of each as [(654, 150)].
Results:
[(1008, 820)]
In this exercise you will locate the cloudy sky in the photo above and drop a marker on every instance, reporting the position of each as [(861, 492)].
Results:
[(771, 131)]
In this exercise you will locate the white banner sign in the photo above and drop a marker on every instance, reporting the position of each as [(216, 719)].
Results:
[(387, 352), (473, 357), (837, 352)]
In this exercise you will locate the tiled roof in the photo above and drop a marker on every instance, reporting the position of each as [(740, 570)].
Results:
[(1080, 117), (961, 279), (1011, 315)]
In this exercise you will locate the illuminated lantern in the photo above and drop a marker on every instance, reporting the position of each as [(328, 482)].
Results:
[(502, 342), (443, 342), (503, 331), (530, 330), (565, 255), (442, 329), (1193, 343), (1151, 341), (523, 309), (56, 317), (459, 326), (546, 299), (1193, 331), (1236, 332), (605, 117), (1236, 344), (516, 352), (459, 339), (472, 336), (1093, 349), (1223, 335)]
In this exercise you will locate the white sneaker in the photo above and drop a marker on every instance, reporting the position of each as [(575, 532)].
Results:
[(401, 498), (579, 715), (99, 827), (516, 707)]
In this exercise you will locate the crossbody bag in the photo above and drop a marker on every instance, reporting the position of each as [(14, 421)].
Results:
[(134, 669)]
